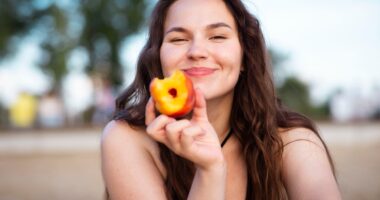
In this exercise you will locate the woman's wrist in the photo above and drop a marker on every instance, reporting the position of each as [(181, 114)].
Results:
[(209, 182), (220, 166)]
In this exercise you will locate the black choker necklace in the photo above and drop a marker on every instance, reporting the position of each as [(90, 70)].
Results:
[(227, 137)]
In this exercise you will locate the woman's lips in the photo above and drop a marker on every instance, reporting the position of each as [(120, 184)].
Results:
[(199, 71)]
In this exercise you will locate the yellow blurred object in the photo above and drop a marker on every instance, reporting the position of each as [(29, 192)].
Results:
[(23, 112)]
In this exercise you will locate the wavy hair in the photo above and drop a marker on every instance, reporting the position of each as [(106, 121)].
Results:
[(256, 116)]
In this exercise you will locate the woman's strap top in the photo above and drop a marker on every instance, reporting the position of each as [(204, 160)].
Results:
[(227, 137)]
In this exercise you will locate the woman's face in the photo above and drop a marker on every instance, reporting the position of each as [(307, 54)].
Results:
[(201, 39)]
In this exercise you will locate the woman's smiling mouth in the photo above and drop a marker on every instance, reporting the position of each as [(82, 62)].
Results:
[(199, 71)]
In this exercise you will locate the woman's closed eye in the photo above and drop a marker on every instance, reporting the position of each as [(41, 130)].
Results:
[(178, 40), (218, 38)]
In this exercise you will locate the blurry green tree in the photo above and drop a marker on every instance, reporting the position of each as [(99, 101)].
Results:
[(293, 92), (97, 26)]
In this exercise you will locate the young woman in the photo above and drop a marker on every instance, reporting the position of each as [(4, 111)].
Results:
[(268, 152)]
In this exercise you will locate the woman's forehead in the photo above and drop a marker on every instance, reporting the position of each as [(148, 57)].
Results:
[(188, 13)]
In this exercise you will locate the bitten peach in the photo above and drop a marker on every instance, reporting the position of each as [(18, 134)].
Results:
[(174, 96)]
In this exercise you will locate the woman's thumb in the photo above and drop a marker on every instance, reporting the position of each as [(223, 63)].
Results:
[(200, 109)]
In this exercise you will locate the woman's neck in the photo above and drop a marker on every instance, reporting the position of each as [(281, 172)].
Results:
[(219, 111)]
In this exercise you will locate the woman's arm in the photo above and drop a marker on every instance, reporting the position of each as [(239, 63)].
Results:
[(307, 172), (196, 141)]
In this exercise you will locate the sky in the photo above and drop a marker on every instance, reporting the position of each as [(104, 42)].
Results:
[(329, 44)]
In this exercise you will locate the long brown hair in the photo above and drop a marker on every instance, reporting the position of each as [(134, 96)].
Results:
[(255, 118)]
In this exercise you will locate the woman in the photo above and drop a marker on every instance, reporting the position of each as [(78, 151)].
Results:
[(268, 152)]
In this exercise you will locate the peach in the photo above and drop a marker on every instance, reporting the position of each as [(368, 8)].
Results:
[(174, 96)]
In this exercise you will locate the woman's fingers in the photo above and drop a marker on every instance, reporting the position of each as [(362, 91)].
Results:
[(156, 128), (174, 131), (188, 136), (181, 136), (200, 109)]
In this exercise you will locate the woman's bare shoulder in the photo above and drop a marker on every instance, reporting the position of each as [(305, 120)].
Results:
[(300, 134), (300, 145), (121, 132), (118, 127), (306, 166), (130, 158), (120, 136)]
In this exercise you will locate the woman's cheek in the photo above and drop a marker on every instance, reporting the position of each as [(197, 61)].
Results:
[(232, 59), (170, 56), (166, 59)]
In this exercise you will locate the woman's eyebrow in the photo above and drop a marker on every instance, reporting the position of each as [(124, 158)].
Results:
[(218, 25), (176, 29), (210, 26)]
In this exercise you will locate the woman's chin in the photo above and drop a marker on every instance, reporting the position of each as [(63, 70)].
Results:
[(203, 89)]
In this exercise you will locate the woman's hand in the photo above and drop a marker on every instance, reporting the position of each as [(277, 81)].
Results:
[(194, 139)]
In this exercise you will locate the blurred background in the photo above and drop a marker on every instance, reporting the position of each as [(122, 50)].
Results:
[(63, 62)]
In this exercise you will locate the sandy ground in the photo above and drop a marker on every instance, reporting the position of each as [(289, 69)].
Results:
[(65, 164)]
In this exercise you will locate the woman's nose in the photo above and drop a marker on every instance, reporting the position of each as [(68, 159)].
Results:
[(197, 50)]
